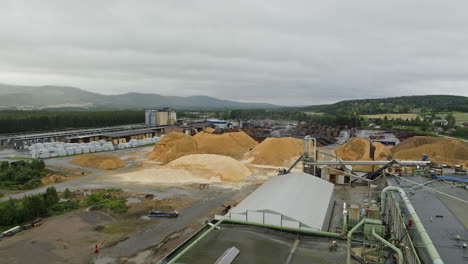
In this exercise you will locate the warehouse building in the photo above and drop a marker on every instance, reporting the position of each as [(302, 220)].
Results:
[(297, 200), (283, 221)]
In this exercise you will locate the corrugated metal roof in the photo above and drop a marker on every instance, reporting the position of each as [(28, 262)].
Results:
[(130, 132), (299, 196)]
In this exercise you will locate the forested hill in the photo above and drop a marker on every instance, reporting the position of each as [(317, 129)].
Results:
[(34, 97), (403, 104)]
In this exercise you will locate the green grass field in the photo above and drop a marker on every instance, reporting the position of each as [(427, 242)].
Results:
[(392, 116), (313, 113), (19, 158), (460, 117)]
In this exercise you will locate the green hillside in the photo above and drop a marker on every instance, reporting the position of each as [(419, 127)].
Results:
[(403, 104)]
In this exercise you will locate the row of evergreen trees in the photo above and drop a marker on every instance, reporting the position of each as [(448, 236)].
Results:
[(26, 121)]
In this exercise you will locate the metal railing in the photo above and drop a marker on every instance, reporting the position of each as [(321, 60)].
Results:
[(397, 226)]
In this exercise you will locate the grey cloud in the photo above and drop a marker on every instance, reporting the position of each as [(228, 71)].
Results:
[(294, 52)]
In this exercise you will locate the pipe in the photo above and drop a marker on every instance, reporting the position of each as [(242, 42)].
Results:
[(284, 228), (428, 244), (312, 232), (351, 232), (345, 219), (388, 244)]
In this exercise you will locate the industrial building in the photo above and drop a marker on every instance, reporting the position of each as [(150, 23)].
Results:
[(285, 220), (219, 124), (297, 200), (161, 117)]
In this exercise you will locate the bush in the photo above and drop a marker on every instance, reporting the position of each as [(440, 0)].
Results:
[(22, 177), (96, 198), (461, 132), (118, 207), (67, 194), (101, 200), (64, 207)]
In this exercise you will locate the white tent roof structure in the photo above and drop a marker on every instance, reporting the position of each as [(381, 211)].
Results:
[(299, 197)]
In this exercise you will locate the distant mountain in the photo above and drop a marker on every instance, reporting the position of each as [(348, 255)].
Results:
[(14, 96), (402, 104)]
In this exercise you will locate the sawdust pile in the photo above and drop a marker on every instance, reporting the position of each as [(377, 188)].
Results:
[(224, 144), (173, 146), (355, 149), (276, 151), (103, 162), (176, 145), (414, 142), (209, 130), (52, 179), (441, 150), (382, 152), (359, 149), (223, 167), (194, 168)]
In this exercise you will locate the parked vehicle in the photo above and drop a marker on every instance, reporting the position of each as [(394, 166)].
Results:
[(12, 231), (37, 221), (156, 213), (27, 226)]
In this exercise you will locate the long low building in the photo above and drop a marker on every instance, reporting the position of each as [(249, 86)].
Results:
[(298, 200)]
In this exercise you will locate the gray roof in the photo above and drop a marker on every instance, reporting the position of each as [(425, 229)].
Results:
[(452, 220), (298, 196)]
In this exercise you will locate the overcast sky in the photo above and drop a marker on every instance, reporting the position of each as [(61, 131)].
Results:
[(288, 52)]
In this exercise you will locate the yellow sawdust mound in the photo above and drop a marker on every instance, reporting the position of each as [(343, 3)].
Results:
[(417, 141), (209, 130), (103, 162), (359, 149), (382, 152), (173, 146), (441, 150), (52, 179), (355, 149), (209, 165), (225, 144), (276, 151)]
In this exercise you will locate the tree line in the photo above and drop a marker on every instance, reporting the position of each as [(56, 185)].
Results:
[(14, 212), (27, 121), (260, 114)]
